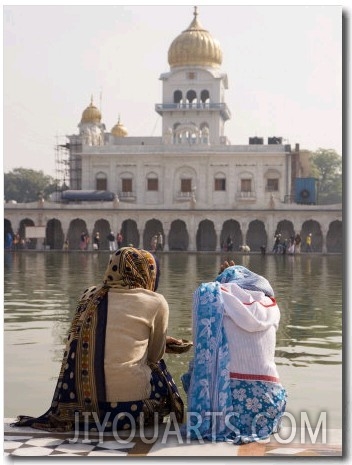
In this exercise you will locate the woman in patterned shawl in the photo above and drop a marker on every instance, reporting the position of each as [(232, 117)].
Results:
[(233, 387), (112, 370)]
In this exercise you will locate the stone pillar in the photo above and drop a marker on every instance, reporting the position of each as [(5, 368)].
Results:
[(141, 239), (218, 229), (324, 232), (244, 229), (166, 227), (192, 246)]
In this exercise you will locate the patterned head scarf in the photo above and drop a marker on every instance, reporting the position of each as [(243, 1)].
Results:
[(132, 268), (246, 279)]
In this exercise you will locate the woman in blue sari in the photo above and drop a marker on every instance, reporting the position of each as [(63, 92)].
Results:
[(233, 387)]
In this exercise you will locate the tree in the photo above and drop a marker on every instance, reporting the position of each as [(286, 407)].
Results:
[(26, 185), (327, 168)]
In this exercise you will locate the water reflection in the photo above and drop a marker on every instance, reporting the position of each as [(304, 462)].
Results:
[(41, 291)]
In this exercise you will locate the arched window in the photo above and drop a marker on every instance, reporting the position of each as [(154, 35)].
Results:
[(126, 185), (185, 182), (186, 134), (204, 96), (177, 96), (101, 182), (272, 177), (246, 186), (220, 182), (152, 182), (192, 97)]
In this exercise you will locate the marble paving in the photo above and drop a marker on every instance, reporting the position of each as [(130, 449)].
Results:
[(29, 442)]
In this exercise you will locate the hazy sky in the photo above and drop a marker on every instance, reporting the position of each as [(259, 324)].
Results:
[(284, 68)]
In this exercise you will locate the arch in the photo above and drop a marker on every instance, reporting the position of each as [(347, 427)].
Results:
[(54, 235), (101, 181), (178, 236), (256, 235), (186, 133), (232, 229), (152, 227), (31, 243), (130, 233), (313, 227), (334, 237), (75, 229), (272, 173), (151, 175), (191, 96), (286, 229), (206, 236), (204, 96), (177, 96), (103, 227)]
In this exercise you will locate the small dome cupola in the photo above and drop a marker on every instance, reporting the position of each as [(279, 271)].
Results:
[(119, 130), (91, 114), (195, 47)]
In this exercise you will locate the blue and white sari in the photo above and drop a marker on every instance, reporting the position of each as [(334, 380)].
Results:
[(222, 408)]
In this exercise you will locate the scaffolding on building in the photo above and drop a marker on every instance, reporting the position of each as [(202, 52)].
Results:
[(68, 163)]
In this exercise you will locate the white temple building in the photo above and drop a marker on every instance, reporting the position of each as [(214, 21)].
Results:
[(191, 183), (192, 161)]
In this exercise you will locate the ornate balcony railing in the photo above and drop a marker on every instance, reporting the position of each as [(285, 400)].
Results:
[(199, 106), (127, 196), (244, 195)]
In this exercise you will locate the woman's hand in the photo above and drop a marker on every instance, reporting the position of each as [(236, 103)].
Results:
[(225, 265), (172, 340), (177, 346)]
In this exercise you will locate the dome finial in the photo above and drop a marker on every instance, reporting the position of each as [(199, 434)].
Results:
[(195, 11)]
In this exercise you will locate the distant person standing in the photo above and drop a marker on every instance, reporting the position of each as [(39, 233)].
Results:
[(154, 243), (159, 242), (298, 242), (277, 240), (16, 241), (119, 239), (83, 243), (96, 241), (112, 243), (309, 247), (229, 244), (8, 241), (291, 245)]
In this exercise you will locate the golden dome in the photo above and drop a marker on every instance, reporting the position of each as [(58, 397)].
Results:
[(119, 130), (195, 47), (91, 114)]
